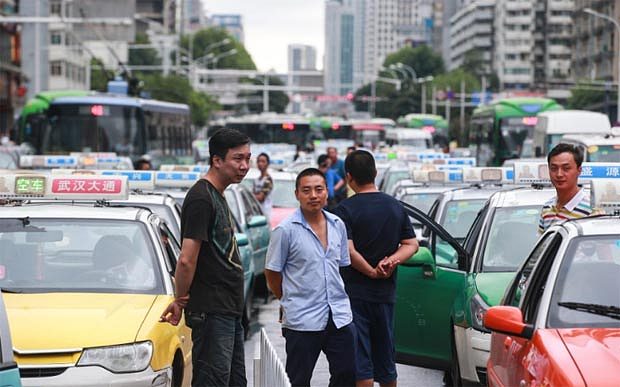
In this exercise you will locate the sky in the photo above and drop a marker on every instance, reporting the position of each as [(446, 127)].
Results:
[(271, 25)]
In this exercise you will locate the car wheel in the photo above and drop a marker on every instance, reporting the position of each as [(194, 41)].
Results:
[(177, 370), (453, 376)]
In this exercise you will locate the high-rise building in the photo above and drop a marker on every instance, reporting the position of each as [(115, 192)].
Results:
[(10, 73), (232, 23), (532, 43), (339, 47), (448, 9), (595, 54), (301, 57), (193, 16), (471, 30)]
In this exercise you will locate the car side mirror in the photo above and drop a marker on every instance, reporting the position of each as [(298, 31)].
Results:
[(423, 257), (257, 221), (507, 320), (242, 239)]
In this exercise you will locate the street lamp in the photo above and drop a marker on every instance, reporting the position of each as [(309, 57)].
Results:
[(610, 19), (410, 69), (423, 82), (211, 47), (216, 59)]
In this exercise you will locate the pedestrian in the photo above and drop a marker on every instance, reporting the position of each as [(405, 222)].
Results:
[(263, 185), (334, 182), (144, 163), (380, 237), (571, 201), (337, 165), (209, 273), (303, 260)]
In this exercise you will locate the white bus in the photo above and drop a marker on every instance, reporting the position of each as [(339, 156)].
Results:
[(596, 148), (416, 138), (552, 125)]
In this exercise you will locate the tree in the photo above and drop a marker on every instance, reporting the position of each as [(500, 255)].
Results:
[(143, 56), (278, 100), (99, 76), (210, 39), (589, 97), (474, 63), (422, 59)]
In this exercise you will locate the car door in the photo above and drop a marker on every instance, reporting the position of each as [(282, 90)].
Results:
[(257, 229), (507, 351), (425, 294)]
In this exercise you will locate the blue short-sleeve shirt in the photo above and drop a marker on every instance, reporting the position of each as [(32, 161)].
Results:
[(311, 281)]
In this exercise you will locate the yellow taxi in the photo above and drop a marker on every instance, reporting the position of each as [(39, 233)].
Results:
[(85, 283)]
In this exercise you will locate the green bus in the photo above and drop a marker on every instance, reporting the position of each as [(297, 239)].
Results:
[(33, 117), (434, 124), (504, 129)]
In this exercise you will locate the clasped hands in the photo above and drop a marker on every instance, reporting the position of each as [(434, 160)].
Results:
[(384, 268)]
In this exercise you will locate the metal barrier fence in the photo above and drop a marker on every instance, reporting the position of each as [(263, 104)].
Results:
[(268, 369)]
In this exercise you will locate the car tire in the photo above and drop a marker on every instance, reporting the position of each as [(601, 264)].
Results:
[(246, 318), (453, 375), (177, 370)]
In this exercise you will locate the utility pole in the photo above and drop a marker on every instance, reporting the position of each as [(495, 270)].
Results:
[(266, 93), (448, 107), (434, 107), (373, 96), (462, 121)]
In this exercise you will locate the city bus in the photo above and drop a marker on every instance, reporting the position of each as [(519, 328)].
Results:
[(100, 122), (504, 129), (273, 128), (370, 133), (434, 124)]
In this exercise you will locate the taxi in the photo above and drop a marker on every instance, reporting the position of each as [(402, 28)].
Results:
[(559, 321), (283, 199), (85, 283), (9, 373)]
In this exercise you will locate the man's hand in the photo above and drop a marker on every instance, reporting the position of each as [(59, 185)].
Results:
[(172, 314), (386, 267)]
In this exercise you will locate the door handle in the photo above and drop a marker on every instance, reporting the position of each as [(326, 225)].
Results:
[(507, 342)]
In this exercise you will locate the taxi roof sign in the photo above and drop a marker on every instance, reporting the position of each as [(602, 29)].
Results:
[(135, 179), (591, 171), (184, 168), (176, 179), (486, 175), (40, 161), (605, 194), (531, 173), (435, 176), (63, 187)]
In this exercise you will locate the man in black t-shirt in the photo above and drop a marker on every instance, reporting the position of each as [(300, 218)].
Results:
[(380, 237), (209, 273)]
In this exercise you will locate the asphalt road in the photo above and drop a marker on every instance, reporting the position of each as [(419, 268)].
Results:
[(266, 316)]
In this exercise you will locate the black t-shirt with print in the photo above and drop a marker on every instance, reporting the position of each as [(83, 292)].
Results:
[(218, 282)]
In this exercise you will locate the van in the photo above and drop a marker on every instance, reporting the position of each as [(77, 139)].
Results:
[(416, 138), (552, 125), (596, 148)]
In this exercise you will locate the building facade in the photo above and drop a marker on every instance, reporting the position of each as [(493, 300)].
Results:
[(232, 23), (595, 46), (471, 30), (11, 78), (339, 47)]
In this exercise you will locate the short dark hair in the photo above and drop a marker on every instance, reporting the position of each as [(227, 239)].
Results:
[(566, 148), (223, 140), (309, 172), (360, 164), (265, 155), (321, 159)]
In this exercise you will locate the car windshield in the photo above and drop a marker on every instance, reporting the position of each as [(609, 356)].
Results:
[(604, 153), (231, 200), (421, 201), (7, 161), (283, 194), (512, 234), (77, 255), (393, 177), (587, 290), (459, 215)]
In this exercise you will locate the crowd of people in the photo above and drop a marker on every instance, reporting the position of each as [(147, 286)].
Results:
[(331, 264)]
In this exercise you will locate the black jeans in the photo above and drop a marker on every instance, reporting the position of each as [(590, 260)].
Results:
[(303, 349), (217, 355)]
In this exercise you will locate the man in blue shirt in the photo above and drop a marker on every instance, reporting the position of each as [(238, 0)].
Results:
[(380, 237), (333, 180), (337, 165), (304, 257)]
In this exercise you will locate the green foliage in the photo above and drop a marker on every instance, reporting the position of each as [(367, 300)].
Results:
[(588, 97), (175, 88), (99, 76), (278, 100), (206, 45), (143, 56), (422, 59), (452, 81), (474, 63)]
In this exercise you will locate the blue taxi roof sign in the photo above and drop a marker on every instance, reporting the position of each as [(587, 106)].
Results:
[(135, 179), (591, 171), (176, 179), (200, 168), (47, 161)]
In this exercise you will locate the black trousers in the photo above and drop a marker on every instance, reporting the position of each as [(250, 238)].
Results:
[(303, 349)]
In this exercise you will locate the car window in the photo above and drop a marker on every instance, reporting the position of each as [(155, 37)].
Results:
[(167, 214), (459, 215), (251, 205), (587, 288), (423, 201), (520, 281), (512, 233), (171, 248), (80, 255), (474, 231), (283, 194)]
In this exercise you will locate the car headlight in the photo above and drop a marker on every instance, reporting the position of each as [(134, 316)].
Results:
[(133, 357), (478, 310)]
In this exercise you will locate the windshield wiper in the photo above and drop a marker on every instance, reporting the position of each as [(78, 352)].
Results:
[(602, 310), (9, 290)]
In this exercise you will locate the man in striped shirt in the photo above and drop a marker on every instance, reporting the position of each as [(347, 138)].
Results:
[(570, 202)]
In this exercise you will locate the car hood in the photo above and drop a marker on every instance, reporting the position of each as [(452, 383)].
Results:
[(596, 352), (278, 214), (55, 321), (491, 286)]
